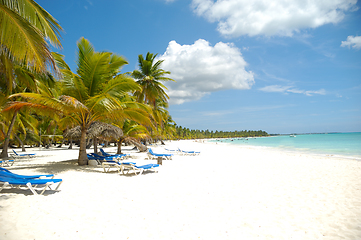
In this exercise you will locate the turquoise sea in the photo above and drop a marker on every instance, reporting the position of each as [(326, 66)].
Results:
[(341, 144)]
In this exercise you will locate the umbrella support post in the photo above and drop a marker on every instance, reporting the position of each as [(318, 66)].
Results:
[(159, 160)]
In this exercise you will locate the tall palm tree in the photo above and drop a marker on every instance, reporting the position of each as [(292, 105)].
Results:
[(95, 92), (25, 29), (150, 77)]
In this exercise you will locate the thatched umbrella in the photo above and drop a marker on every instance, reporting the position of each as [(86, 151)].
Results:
[(96, 129)]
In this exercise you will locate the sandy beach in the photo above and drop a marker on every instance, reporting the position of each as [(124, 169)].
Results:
[(227, 192)]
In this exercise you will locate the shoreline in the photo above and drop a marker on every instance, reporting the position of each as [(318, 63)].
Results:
[(226, 192), (316, 152)]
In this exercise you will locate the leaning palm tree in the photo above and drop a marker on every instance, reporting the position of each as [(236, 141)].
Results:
[(96, 92), (150, 77), (132, 133)]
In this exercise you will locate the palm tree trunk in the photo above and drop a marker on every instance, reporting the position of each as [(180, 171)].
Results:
[(21, 143), (83, 158), (71, 144), (4, 153), (120, 141), (95, 145), (140, 146)]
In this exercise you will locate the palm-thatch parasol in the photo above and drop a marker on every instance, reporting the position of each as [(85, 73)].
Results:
[(96, 129)]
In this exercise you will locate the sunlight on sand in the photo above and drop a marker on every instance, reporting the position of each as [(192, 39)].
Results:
[(227, 192)]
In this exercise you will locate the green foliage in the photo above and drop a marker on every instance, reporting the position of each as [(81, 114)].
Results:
[(25, 27), (150, 77), (186, 133)]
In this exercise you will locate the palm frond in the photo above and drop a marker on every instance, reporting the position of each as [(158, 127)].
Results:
[(42, 20), (22, 40), (73, 85)]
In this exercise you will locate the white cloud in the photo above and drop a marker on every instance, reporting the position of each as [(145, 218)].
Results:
[(276, 17), (290, 89), (200, 69), (351, 41)]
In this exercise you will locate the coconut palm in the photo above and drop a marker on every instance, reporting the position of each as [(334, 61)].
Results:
[(25, 80), (150, 77), (96, 92), (25, 27)]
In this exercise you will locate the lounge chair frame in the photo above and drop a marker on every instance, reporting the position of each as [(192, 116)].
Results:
[(34, 183), (6, 163), (189, 153), (22, 155), (127, 167), (140, 169), (31, 184)]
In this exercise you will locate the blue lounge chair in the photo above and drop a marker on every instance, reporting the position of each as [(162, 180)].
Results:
[(172, 150), (91, 157), (107, 164), (6, 163), (153, 155), (31, 184), (135, 168), (7, 173), (28, 155), (113, 155), (193, 153), (99, 158)]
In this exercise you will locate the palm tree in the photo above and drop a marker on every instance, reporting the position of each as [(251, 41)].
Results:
[(96, 92), (132, 133), (150, 77), (25, 80), (161, 119), (25, 26)]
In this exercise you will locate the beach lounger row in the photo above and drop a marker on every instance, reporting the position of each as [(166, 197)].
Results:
[(109, 161), (37, 184)]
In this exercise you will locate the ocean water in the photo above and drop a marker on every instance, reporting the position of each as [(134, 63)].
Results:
[(340, 144)]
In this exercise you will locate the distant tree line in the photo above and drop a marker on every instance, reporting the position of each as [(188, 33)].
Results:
[(186, 133)]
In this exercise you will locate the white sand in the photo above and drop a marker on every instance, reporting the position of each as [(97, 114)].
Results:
[(226, 192)]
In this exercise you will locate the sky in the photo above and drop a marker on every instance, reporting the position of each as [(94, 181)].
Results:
[(279, 66)]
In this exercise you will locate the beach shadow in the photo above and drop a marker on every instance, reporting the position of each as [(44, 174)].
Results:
[(131, 174), (25, 192), (57, 167)]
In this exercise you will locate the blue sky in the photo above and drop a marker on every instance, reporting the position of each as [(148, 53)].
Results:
[(278, 66)]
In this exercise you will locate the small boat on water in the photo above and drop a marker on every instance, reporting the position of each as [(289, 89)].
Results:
[(292, 135)]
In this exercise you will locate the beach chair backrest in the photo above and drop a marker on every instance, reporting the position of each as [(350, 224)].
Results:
[(103, 152), (15, 152), (150, 151)]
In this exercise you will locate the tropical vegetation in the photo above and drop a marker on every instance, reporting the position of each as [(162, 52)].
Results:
[(186, 133), (41, 98)]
